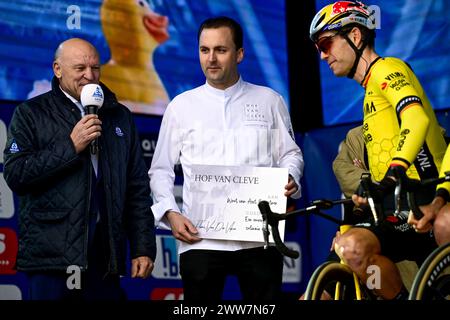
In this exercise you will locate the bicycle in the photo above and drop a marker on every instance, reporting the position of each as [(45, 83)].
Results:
[(432, 281), (346, 282), (429, 281)]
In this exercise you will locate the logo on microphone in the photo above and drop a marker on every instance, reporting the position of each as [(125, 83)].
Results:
[(92, 95), (97, 93)]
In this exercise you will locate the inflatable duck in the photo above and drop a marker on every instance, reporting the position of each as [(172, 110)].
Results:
[(133, 31)]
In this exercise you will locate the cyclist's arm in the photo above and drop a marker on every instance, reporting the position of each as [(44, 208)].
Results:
[(403, 95), (443, 189), (441, 198), (413, 129)]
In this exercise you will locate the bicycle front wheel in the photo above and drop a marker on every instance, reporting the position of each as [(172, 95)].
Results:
[(432, 281), (325, 277)]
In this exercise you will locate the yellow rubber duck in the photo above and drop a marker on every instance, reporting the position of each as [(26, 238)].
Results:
[(133, 31)]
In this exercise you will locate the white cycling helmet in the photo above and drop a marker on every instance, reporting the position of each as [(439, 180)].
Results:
[(339, 14)]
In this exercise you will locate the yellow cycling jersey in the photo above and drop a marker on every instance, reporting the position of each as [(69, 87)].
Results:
[(445, 168), (400, 126)]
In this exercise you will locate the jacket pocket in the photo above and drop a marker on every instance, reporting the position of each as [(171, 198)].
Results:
[(48, 232)]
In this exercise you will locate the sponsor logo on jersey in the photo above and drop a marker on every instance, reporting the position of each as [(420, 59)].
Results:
[(395, 80), (423, 159), (401, 140), (398, 84), (369, 108), (394, 75)]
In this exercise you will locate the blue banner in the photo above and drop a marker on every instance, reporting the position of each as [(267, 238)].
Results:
[(148, 49)]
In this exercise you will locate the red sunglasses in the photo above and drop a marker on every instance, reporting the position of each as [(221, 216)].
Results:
[(324, 44)]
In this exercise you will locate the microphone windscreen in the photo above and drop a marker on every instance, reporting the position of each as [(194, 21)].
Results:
[(92, 95)]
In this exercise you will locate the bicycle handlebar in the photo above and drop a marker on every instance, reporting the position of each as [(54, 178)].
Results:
[(413, 185), (272, 219), (366, 183)]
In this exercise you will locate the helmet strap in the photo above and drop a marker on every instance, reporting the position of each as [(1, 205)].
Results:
[(358, 54)]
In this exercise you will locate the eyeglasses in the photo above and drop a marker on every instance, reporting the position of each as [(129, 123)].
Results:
[(324, 44)]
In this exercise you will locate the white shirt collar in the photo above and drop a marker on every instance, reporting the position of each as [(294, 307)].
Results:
[(75, 101), (228, 92)]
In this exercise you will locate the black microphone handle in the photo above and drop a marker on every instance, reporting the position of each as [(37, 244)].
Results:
[(91, 109)]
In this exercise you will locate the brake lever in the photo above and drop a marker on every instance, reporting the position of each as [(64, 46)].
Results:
[(269, 218), (397, 193), (365, 182)]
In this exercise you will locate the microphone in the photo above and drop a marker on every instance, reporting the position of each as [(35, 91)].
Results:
[(92, 99)]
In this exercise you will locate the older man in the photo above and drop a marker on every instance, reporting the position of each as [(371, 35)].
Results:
[(78, 208)]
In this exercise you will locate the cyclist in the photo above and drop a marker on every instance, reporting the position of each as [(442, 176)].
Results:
[(400, 131), (437, 213)]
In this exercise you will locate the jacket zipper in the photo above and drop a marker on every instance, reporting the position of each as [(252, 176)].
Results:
[(109, 226), (88, 214)]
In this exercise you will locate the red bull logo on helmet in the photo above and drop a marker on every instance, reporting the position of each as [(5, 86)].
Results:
[(343, 6)]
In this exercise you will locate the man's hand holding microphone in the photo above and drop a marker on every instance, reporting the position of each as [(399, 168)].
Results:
[(88, 129)]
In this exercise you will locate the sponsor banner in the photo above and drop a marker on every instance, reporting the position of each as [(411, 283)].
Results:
[(6, 199), (292, 271), (166, 262), (8, 250), (10, 292), (167, 294), (3, 135)]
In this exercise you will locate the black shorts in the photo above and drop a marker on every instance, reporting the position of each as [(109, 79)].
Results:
[(399, 241)]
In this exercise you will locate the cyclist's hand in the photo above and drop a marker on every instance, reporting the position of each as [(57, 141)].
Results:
[(379, 190), (384, 187), (425, 223), (359, 201), (430, 212), (291, 187), (182, 227), (359, 197)]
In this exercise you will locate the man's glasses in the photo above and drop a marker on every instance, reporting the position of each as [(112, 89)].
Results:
[(324, 44)]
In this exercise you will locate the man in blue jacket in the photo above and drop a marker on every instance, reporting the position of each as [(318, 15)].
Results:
[(77, 208)]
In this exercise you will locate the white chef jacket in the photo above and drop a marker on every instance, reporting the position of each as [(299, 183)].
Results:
[(243, 125)]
